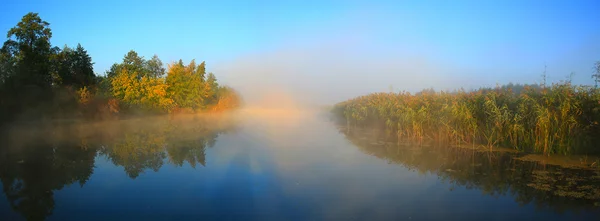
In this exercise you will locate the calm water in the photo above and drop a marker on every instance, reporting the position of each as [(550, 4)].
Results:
[(270, 165)]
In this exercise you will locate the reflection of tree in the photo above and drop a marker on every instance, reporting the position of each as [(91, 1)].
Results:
[(46, 159), (146, 146), (137, 151), (182, 149), (30, 174), (494, 173), (187, 142)]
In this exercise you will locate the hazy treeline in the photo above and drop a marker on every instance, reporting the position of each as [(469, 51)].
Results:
[(561, 118), (41, 81)]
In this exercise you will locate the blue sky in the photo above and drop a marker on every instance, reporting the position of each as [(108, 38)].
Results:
[(362, 46)]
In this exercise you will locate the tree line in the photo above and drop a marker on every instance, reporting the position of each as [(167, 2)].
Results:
[(41, 81)]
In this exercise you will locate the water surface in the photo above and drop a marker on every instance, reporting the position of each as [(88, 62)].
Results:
[(270, 165)]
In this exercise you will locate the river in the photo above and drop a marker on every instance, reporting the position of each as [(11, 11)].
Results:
[(271, 165)]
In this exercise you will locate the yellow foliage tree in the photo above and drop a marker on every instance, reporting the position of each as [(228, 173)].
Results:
[(227, 99), (187, 86), (147, 93), (84, 96)]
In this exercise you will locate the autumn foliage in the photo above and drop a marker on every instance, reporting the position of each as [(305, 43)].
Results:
[(38, 81), (184, 89)]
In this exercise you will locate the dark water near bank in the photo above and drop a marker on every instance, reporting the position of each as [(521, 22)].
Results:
[(271, 166)]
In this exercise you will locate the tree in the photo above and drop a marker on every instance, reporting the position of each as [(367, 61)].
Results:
[(227, 98), (25, 66), (28, 46), (113, 70), (6, 70), (83, 67), (146, 93), (155, 67), (60, 64), (186, 84), (6, 65), (213, 88), (132, 62), (75, 67), (596, 75), (201, 70)]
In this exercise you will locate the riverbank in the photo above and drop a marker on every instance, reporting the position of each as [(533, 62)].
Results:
[(559, 119), (377, 137), (558, 182)]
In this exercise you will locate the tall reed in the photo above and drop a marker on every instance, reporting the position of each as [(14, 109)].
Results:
[(559, 119)]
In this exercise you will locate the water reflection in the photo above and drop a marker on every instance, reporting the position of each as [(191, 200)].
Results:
[(36, 160), (275, 167), (494, 173), (30, 174)]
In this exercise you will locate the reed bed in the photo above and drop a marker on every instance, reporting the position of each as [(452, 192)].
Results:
[(558, 119)]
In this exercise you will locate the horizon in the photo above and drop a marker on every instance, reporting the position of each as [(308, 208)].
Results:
[(325, 52)]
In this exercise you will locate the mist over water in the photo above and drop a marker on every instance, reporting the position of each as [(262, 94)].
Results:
[(281, 157), (268, 162)]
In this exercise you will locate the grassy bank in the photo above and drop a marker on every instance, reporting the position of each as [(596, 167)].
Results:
[(559, 119)]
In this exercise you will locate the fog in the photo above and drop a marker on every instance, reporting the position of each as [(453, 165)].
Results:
[(355, 54), (326, 73), (329, 70)]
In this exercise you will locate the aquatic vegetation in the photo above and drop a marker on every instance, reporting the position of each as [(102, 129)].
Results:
[(493, 173), (559, 119), (570, 161)]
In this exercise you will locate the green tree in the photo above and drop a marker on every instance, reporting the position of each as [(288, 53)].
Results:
[(596, 75), (112, 71), (213, 88), (132, 62), (25, 67), (28, 47), (186, 84), (201, 70), (155, 67), (75, 67), (83, 67), (7, 63)]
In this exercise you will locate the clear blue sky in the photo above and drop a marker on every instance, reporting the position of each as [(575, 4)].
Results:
[(467, 42)]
